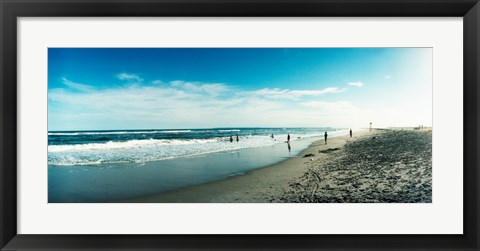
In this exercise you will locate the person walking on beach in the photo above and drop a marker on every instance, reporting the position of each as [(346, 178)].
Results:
[(288, 137), (350, 133), (326, 135), (231, 139), (237, 137)]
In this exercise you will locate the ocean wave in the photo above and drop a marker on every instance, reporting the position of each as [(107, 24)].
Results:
[(111, 145), (145, 150), (175, 131), (116, 132)]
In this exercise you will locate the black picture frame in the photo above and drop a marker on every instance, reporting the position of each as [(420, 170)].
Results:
[(11, 9)]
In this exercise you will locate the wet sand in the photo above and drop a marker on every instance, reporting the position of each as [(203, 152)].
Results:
[(378, 166)]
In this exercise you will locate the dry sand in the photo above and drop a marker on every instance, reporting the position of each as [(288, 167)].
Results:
[(378, 166), (388, 166)]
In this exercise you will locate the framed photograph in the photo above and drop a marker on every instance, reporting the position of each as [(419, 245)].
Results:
[(239, 125)]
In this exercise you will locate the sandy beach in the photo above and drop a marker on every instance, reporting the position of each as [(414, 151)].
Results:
[(390, 166), (379, 166)]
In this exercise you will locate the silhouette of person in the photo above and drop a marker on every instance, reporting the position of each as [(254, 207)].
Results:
[(231, 139), (272, 136), (289, 147), (288, 137), (237, 137), (350, 133), (326, 135)]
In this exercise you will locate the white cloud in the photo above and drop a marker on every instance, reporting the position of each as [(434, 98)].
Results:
[(129, 77), (357, 84), (277, 93), (213, 89), (388, 77), (193, 104), (157, 82), (333, 106), (134, 107), (77, 86)]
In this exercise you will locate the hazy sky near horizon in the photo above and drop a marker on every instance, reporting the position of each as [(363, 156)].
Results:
[(155, 88)]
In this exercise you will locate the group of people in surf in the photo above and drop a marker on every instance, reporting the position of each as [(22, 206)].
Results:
[(325, 135), (231, 138)]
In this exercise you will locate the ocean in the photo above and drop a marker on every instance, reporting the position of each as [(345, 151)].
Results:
[(100, 166)]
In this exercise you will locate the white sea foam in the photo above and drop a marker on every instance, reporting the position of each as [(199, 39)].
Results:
[(116, 132), (158, 149), (146, 150), (148, 143), (175, 131)]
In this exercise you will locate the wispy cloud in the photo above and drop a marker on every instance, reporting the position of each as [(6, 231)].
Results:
[(157, 82), (77, 86), (277, 93), (129, 77), (213, 89), (356, 84), (193, 104), (334, 106)]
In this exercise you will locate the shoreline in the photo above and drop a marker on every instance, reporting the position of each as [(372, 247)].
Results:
[(262, 185), (111, 182)]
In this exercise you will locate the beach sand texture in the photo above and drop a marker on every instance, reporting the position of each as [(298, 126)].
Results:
[(383, 166), (391, 166)]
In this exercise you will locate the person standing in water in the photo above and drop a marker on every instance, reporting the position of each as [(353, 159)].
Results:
[(350, 133), (237, 137), (326, 135), (231, 139), (288, 137)]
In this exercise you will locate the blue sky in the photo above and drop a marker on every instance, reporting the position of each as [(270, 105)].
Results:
[(152, 88)]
